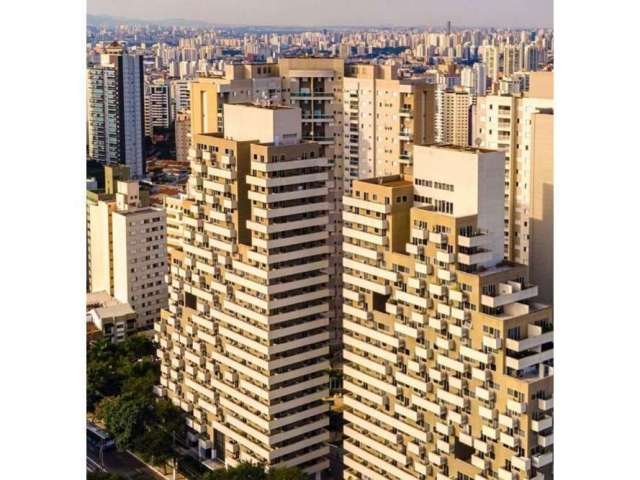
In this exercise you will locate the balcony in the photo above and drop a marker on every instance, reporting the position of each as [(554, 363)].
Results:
[(459, 331), (423, 268), (419, 233), (505, 474), (545, 404), (481, 463), (492, 342), (446, 257), (532, 341), (475, 240), (509, 294), (437, 238), (446, 275), (474, 258), (542, 460), (406, 135), (517, 407), (509, 440), (542, 424), (444, 343), (521, 463), (507, 421), (478, 374), (529, 360), (439, 290), (545, 440)]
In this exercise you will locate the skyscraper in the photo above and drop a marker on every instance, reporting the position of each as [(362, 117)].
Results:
[(453, 117), (448, 358), (182, 135), (383, 117), (115, 110), (245, 341), (157, 107), (504, 122)]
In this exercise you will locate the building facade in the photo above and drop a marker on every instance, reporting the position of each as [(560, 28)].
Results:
[(115, 110), (384, 116), (182, 135), (505, 122), (244, 344), (453, 116), (157, 106), (448, 359), (128, 256)]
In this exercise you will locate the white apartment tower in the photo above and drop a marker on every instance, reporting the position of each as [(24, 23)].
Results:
[(128, 256), (505, 122)]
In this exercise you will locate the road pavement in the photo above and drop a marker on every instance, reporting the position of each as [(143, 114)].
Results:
[(122, 463)]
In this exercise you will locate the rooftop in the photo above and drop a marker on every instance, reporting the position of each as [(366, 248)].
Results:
[(460, 148), (390, 181), (107, 306), (266, 107)]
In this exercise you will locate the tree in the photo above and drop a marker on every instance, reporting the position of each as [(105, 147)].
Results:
[(137, 346), (125, 418), (155, 446), (124, 367), (287, 473), (251, 471), (102, 381)]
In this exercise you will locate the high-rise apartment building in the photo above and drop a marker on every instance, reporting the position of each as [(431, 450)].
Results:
[(448, 359), (492, 58), (115, 110), (180, 96), (512, 59), (315, 85), (540, 222), (383, 117), (128, 257), (240, 83), (112, 174), (480, 71), (453, 116), (504, 122), (532, 58), (182, 135), (244, 343), (157, 106)]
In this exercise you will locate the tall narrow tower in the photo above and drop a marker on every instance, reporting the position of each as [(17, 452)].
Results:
[(115, 110)]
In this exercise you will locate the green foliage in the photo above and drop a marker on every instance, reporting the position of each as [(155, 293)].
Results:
[(287, 473), (120, 380), (155, 445), (126, 418), (123, 367), (249, 471)]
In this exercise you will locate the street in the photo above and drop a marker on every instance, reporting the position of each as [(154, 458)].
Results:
[(122, 463)]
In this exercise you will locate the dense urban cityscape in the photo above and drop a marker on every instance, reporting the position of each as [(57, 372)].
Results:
[(319, 253)]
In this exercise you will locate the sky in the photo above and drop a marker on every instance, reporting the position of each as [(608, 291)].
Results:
[(481, 13)]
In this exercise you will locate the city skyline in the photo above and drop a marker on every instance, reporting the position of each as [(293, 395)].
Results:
[(495, 13)]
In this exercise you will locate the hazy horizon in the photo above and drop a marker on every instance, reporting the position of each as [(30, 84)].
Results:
[(280, 13)]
